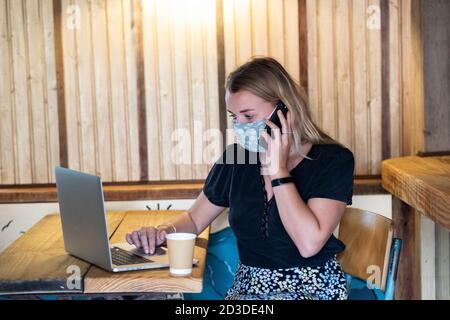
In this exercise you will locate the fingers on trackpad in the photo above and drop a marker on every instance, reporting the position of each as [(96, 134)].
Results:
[(159, 251)]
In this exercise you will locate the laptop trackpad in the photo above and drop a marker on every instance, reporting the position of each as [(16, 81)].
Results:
[(160, 255), (160, 251)]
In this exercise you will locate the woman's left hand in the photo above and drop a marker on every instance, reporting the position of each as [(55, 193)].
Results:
[(278, 146)]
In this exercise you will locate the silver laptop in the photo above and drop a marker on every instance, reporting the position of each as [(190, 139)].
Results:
[(85, 230)]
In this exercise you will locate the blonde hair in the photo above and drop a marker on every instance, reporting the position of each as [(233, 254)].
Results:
[(266, 78)]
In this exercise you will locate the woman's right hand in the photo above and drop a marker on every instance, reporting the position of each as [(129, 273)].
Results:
[(147, 238)]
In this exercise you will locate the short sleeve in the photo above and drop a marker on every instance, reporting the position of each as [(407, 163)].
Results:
[(335, 180), (218, 182)]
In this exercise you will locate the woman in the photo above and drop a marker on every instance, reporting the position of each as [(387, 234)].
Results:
[(284, 207)]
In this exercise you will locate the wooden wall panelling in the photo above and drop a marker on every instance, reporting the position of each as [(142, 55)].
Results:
[(103, 43), (35, 78), (342, 72), (255, 28), (180, 56), (123, 90), (28, 102), (7, 154), (20, 94), (345, 76), (100, 88), (436, 47)]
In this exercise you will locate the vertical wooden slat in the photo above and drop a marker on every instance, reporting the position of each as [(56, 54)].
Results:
[(327, 70), (313, 59), (7, 154), (229, 36), (412, 78), (29, 91), (290, 39), (102, 89), (303, 43), (110, 95), (220, 40), (375, 92), (198, 84), (407, 227), (92, 81), (117, 77), (427, 258), (395, 110), (141, 89), (87, 112), (38, 121), (152, 85), (360, 70), (385, 79), (259, 27), (205, 12), (442, 263), (166, 88), (275, 16), (182, 79), (243, 27), (230, 49), (58, 22), (50, 87), (343, 72), (72, 120), (131, 98), (21, 121), (213, 144)]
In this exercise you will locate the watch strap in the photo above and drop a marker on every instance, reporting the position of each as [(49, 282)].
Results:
[(280, 181)]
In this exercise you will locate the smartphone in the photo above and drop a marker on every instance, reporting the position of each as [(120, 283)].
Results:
[(274, 118)]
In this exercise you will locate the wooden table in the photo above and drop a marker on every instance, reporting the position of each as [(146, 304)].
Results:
[(37, 263), (421, 214)]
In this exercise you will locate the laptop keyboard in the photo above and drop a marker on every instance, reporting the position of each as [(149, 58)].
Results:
[(122, 257)]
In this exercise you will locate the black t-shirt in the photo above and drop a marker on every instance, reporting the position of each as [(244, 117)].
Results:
[(235, 182)]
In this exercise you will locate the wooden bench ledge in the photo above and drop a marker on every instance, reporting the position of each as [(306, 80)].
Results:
[(148, 191), (113, 191)]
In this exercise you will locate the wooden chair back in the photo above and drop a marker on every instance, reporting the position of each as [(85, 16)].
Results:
[(368, 240)]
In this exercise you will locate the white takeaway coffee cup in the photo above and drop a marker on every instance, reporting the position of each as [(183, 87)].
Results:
[(180, 247)]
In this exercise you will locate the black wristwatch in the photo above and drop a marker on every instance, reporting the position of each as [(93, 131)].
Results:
[(280, 181)]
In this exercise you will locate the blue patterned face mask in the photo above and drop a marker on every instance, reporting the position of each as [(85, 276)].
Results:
[(249, 134)]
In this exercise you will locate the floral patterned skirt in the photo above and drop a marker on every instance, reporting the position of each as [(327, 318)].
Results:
[(305, 283)]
